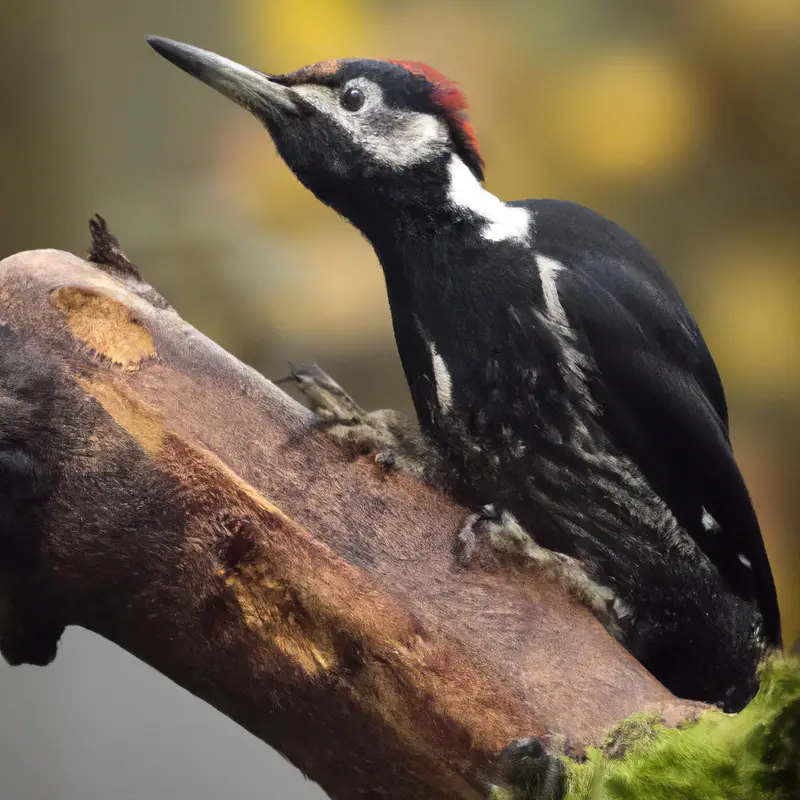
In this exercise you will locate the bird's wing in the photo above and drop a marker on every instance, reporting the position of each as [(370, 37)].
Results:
[(658, 388)]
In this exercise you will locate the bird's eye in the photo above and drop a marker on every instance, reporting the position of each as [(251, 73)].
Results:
[(352, 99)]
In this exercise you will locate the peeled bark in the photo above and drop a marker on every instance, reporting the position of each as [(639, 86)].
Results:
[(157, 491)]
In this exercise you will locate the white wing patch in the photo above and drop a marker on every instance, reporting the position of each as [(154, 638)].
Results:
[(442, 378), (548, 269), (574, 362), (502, 222)]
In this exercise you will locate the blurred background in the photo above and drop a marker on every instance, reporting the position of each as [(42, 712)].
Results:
[(680, 119)]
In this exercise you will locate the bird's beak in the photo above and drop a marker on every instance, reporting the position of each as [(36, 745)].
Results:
[(250, 88)]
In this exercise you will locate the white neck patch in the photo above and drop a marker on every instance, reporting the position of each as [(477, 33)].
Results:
[(503, 222)]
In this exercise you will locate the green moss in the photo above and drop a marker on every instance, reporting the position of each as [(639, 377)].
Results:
[(752, 755), (639, 727)]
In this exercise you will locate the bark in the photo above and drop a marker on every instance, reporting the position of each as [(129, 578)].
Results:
[(157, 491)]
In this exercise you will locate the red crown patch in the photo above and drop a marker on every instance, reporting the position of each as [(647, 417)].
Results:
[(449, 98)]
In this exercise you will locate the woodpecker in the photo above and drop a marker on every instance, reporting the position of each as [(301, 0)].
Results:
[(552, 364)]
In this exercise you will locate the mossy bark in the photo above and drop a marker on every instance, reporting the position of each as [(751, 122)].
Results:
[(752, 755), (744, 756)]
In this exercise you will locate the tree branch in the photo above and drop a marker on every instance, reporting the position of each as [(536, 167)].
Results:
[(164, 495)]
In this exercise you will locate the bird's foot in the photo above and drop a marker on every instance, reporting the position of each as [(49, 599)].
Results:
[(528, 771), (325, 397), (503, 534), (393, 439)]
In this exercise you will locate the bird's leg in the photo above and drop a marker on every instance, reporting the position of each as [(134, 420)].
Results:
[(394, 438), (530, 772), (501, 531)]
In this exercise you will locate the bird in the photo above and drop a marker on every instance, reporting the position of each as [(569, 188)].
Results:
[(552, 363)]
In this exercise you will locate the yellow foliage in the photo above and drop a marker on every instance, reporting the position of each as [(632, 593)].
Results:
[(625, 114), (336, 299), (760, 21), (750, 299), (290, 33)]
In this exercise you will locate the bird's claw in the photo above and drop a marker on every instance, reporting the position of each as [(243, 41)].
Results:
[(500, 533), (332, 404), (392, 438)]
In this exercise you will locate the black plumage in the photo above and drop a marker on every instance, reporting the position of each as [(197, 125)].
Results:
[(696, 613), (551, 361)]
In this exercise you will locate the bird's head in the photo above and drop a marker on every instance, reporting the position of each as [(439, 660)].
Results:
[(356, 132)]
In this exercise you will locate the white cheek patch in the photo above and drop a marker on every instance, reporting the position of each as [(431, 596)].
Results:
[(393, 137), (416, 138), (503, 222)]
